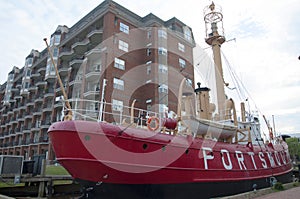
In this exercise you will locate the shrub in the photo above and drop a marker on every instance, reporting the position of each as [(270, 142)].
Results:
[(278, 186)]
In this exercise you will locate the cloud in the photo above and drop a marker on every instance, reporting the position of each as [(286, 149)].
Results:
[(265, 53)]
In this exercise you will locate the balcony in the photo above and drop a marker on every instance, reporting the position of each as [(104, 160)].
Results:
[(94, 74), (41, 83), (76, 81), (35, 75), (66, 54), (28, 116), (47, 95), (91, 94), (45, 124), (47, 109), (76, 62), (42, 70), (50, 77), (13, 90), (95, 35), (39, 99), (94, 53), (63, 70), (81, 46), (44, 139), (27, 129), (37, 112), (58, 104), (30, 104), (18, 97), (24, 92), (32, 88)]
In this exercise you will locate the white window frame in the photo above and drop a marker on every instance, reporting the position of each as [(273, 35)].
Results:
[(124, 28), (117, 105), (182, 63), (118, 84), (162, 68), (163, 88), (148, 69), (162, 51), (181, 47), (189, 82), (187, 33), (57, 39), (119, 63), (162, 34), (123, 46), (149, 51), (149, 34)]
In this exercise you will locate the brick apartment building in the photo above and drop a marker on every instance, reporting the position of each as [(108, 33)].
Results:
[(111, 54)]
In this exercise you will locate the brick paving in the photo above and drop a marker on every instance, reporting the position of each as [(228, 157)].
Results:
[(287, 194)]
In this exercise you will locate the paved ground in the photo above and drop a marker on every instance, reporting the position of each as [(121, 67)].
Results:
[(287, 194)]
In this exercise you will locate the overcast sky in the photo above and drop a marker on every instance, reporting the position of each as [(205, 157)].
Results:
[(265, 51)]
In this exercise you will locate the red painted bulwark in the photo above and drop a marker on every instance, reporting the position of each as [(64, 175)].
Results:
[(102, 152)]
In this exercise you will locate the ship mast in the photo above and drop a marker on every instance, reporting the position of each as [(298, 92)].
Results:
[(69, 114), (213, 17)]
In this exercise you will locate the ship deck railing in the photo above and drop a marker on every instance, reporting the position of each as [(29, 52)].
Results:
[(91, 110)]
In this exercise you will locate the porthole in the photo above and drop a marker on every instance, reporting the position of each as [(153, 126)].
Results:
[(187, 151), (145, 146)]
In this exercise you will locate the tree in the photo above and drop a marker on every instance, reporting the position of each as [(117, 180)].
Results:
[(294, 148)]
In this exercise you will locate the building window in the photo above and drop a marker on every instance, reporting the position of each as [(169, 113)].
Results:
[(119, 63), (55, 40), (55, 52), (124, 28), (162, 68), (118, 84), (29, 62), (162, 34), (50, 69), (148, 69), (181, 47), (28, 73), (149, 34), (187, 33), (148, 51), (189, 82), (163, 88), (117, 105), (123, 45), (182, 63), (148, 101), (162, 51)]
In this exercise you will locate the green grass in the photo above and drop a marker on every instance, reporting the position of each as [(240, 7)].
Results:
[(56, 170), (50, 170)]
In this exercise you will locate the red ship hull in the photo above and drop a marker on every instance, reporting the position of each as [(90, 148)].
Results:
[(145, 161)]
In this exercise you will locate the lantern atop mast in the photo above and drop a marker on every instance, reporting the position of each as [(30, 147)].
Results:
[(213, 19)]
